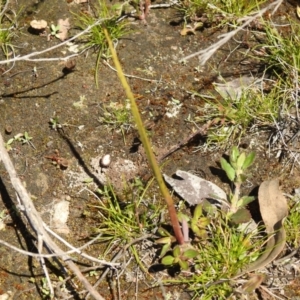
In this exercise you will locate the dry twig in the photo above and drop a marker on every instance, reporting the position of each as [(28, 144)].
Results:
[(36, 222), (4, 9), (28, 57)]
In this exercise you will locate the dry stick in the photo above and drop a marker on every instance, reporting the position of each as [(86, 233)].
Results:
[(130, 76), (27, 57), (206, 54), (75, 250), (4, 8), (119, 255), (37, 223), (91, 258)]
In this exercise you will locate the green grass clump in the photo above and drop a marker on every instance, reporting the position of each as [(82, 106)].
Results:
[(279, 49), (117, 116), (124, 221), (6, 32), (96, 37), (217, 11), (5, 40), (292, 223), (230, 120), (222, 254)]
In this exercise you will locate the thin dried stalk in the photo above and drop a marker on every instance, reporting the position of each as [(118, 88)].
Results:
[(36, 221)]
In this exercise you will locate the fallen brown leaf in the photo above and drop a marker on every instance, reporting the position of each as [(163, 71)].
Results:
[(273, 209)]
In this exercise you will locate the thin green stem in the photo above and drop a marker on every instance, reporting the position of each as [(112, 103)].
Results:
[(146, 143)]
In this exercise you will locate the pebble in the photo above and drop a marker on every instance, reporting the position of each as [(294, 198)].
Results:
[(105, 161)]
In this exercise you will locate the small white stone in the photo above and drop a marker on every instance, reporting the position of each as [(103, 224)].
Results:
[(105, 161), (38, 24)]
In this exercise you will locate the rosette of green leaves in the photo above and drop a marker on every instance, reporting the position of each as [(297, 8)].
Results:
[(235, 170), (182, 255)]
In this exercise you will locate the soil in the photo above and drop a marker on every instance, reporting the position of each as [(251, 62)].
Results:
[(33, 92)]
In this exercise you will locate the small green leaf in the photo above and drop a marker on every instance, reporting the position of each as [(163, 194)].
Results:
[(196, 229), (241, 160), (9, 142), (164, 240), (182, 216), (249, 160), (234, 154), (230, 172), (241, 216), (184, 265), (165, 249), (190, 253), (197, 212), (167, 260), (199, 232), (245, 200), (163, 232), (202, 222), (176, 251)]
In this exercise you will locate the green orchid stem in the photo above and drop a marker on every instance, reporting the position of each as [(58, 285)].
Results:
[(142, 132)]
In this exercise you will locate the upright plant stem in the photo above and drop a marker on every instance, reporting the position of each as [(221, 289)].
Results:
[(146, 143)]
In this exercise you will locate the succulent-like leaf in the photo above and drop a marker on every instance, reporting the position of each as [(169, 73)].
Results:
[(168, 260), (249, 160), (196, 229), (164, 240), (241, 216), (184, 265), (245, 200), (197, 212), (10, 141), (190, 253), (199, 232), (230, 172), (202, 222), (241, 160), (163, 232), (234, 154), (176, 251), (165, 249)]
